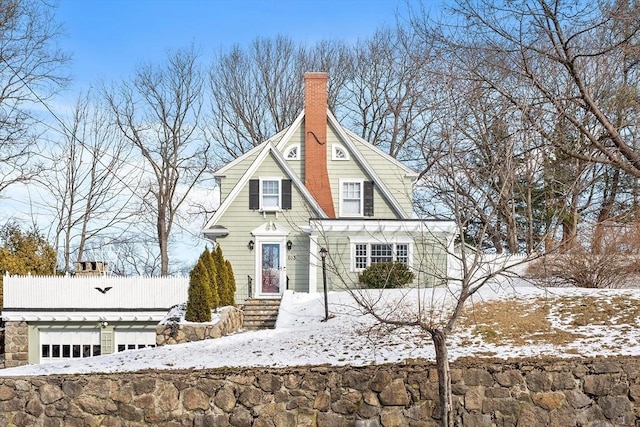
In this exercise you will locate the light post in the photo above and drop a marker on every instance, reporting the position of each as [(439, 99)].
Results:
[(323, 255)]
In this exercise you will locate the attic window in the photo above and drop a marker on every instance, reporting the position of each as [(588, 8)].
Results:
[(338, 152), (269, 194), (292, 152)]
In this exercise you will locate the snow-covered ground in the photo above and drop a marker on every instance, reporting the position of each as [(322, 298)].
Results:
[(350, 337)]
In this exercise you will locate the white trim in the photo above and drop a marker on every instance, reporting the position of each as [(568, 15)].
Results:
[(394, 241), (313, 264), (83, 316), (278, 205), (382, 226), (335, 149), (282, 253), (288, 132), (222, 171), (270, 233), (343, 181), (410, 173), (251, 170), (379, 183)]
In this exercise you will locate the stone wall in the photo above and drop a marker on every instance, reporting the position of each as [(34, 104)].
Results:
[(176, 333), (563, 393), (16, 344)]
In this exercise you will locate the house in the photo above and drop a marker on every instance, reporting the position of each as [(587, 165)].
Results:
[(318, 186), (51, 318)]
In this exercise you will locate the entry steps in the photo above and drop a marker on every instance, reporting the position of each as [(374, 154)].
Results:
[(260, 313)]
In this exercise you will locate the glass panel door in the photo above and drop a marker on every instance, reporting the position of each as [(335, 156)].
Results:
[(271, 268)]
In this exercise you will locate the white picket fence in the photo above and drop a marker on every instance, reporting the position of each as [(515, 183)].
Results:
[(100, 292)]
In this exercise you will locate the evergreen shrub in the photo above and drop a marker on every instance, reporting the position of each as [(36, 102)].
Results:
[(386, 275)]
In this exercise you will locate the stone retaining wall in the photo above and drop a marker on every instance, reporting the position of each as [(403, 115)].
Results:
[(16, 344), (175, 333), (524, 393)]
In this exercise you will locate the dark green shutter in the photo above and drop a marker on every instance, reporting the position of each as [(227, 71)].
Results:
[(368, 198), (254, 194), (286, 194)]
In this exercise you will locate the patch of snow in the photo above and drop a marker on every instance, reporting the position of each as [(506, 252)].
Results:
[(352, 337)]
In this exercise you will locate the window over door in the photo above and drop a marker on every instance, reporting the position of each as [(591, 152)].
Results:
[(269, 194)]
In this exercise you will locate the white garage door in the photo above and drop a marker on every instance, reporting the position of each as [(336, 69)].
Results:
[(131, 339), (56, 344)]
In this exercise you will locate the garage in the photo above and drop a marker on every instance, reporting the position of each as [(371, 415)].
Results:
[(132, 339), (64, 343)]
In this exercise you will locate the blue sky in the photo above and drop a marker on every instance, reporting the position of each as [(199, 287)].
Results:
[(107, 38)]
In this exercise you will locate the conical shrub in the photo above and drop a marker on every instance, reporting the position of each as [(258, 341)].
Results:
[(210, 263), (198, 309), (231, 280)]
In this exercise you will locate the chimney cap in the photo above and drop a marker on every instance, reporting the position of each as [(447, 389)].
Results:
[(315, 75)]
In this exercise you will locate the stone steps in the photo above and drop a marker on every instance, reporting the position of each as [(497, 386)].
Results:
[(260, 313)]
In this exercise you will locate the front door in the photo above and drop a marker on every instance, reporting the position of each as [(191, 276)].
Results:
[(272, 269)]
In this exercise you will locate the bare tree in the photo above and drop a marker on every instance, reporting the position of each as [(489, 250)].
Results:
[(91, 183), (259, 91), (159, 113), (31, 70), (475, 165), (390, 99), (558, 60)]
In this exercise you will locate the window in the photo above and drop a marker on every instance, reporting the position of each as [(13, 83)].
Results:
[(356, 198), (270, 199), (381, 253), (365, 254), (292, 153), (351, 199), (338, 152), (361, 256), (269, 194)]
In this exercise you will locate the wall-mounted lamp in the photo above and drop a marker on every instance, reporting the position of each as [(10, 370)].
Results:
[(104, 324), (289, 245), (250, 245)]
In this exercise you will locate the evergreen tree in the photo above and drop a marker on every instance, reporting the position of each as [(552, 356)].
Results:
[(232, 281), (226, 295), (213, 279), (204, 260), (198, 309)]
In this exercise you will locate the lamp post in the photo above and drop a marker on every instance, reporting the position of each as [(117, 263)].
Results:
[(323, 255)]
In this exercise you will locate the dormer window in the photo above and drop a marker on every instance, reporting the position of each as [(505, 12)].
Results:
[(269, 194), (292, 152), (338, 152)]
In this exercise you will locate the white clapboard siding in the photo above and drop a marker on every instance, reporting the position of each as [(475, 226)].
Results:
[(61, 292)]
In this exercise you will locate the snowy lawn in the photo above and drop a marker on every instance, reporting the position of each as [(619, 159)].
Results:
[(504, 323)]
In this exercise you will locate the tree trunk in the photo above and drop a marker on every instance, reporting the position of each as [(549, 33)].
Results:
[(164, 246), (444, 377)]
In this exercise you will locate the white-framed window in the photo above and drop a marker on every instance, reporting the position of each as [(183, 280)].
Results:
[(351, 200), (363, 254), (269, 194), (338, 152), (293, 152)]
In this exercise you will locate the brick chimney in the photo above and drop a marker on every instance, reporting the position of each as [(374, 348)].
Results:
[(316, 177)]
